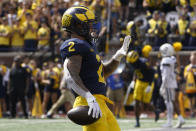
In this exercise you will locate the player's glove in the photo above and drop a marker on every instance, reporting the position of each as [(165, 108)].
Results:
[(148, 89), (93, 106), (123, 50)]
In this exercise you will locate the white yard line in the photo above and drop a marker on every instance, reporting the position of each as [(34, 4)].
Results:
[(189, 126)]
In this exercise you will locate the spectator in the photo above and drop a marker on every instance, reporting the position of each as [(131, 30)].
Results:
[(168, 5), (2, 88), (64, 6), (30, 34), (34, 71), (17, 40), (43, 37), (98, 7), (152, 5), (162, 31), (193, 13), (192, 38), (190, 77), (115, 5), (124, 13), (85, 3), (5, 84), (152, 28), (18, 86), (4, 35), (11, 16), (183, 25), (39, 15), (115, 92), (23, 9)]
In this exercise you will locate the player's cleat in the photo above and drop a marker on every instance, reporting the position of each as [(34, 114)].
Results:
[(157, 115), (26, 116), (49, 116), (180, 123), (43, 117), (167, 125), (143, 115), (137, 125), (79, 115)]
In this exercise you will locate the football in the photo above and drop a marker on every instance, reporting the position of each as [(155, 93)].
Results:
[(79, 115)]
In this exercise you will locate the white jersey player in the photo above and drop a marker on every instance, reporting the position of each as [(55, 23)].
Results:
[(169, 83)]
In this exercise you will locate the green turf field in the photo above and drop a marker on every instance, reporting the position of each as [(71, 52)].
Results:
[(66, 125)]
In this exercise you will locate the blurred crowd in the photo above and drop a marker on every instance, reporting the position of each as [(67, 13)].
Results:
[(35, 25), (31, 88), (20, 82)]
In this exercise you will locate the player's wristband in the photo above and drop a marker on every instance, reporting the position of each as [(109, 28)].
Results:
[(89, 97)]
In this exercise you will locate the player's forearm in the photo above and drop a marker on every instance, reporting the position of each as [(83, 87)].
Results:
[(74, 66), (110, 67)]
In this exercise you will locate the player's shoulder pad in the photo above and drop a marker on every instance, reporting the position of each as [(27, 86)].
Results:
[(73, 46)]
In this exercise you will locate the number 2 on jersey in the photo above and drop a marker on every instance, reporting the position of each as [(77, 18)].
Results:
[(71, 48), (99, 72)]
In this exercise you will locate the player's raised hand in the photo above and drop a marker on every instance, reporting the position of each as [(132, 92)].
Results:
[(94, 108), (125, 46), (123, 50)]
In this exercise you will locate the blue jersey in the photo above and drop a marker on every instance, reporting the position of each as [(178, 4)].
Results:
[(91, 71), (143, 71), (115, 82)]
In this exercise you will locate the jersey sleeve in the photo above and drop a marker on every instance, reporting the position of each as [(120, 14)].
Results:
[(71, 48)]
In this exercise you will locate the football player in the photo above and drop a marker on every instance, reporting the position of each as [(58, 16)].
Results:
[(143, 85), (169, 84), (82, 62)]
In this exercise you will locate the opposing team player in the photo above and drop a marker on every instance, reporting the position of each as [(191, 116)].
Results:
[(88, 72), (169, 84), (143, 85)]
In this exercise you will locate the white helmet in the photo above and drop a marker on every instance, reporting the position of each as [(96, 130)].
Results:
[(166, 50)]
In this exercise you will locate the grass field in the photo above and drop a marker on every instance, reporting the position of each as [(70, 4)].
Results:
[(67, 125)]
